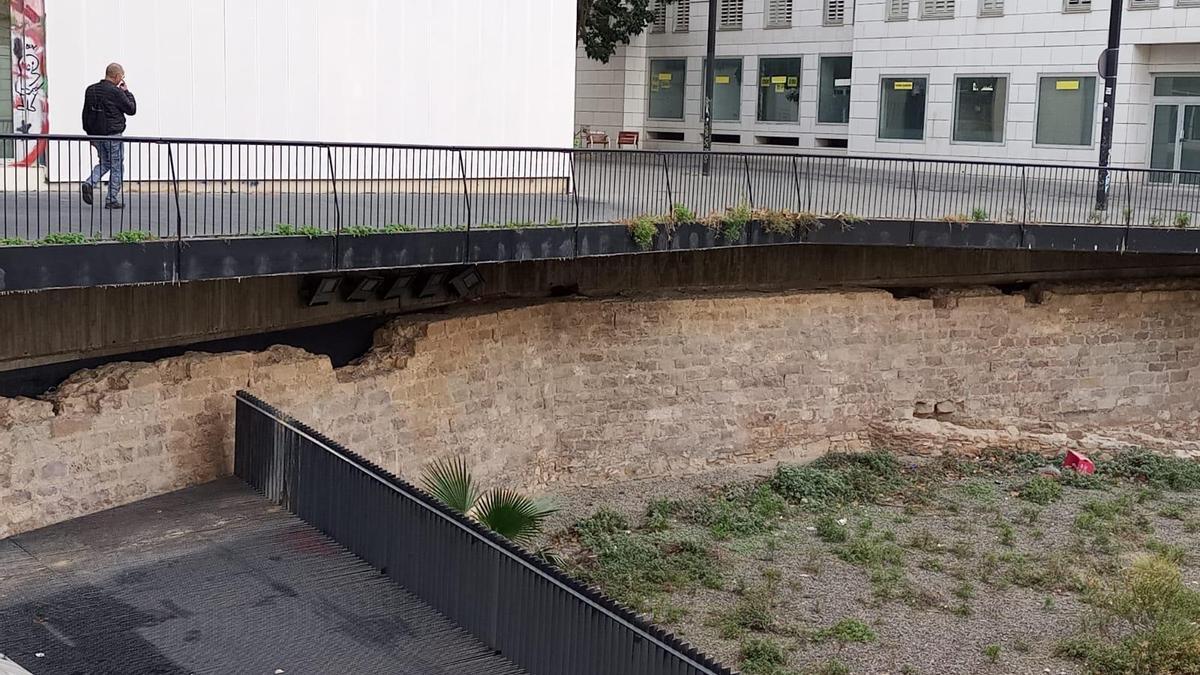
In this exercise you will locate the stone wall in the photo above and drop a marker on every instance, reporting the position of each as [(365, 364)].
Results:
[(588, 391)]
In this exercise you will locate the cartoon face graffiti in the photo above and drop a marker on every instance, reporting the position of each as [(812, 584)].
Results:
[(27, 86), (31, 106)]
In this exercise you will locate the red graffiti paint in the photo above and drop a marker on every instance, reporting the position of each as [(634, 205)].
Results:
[(31, 104)]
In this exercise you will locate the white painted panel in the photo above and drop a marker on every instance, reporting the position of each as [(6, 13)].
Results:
[(419, 71)]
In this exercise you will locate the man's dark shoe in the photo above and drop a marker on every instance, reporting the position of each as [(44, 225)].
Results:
[(86, 191), (115, 205)]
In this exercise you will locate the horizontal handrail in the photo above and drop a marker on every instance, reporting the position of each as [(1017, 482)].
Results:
[(162, 140)]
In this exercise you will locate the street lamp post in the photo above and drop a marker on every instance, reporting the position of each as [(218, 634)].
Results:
[(1108, 70), (709, 82)]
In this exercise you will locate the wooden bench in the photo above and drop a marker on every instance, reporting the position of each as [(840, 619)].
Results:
[(625, 138), (597, 138)]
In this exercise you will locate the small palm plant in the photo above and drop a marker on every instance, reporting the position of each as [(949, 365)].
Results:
[(506, 512)]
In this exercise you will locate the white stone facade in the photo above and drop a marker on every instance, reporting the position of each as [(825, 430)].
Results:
[(1019, 40)]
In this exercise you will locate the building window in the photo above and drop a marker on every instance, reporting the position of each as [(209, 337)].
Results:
[(979, 109), (1143, 4), (1177, 85), (833, 100), (731, 15), (659, 25), (779, 89), (1066, 109), (683, 16), (668, 78), (779, 14), (727, 90), (902, 108), (835, 12), (897, 10), (1071, 6), (937, 9), (991, 7)]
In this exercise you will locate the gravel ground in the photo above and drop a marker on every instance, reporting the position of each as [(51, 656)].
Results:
[(962, 535)]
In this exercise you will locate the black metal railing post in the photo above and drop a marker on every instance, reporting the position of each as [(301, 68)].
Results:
[(174, 175), (808, 179), (1024, 197), (749, 183), (667, 175), (462, 170), (912, 226), (337, 209), (573, 186), (796, 180)]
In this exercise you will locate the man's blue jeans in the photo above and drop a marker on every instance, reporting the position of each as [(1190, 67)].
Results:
[(112, 162)]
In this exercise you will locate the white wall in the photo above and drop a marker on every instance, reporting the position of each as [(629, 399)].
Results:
[(439, 72)]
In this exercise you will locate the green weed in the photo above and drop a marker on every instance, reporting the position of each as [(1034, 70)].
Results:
[(762, 656), (992, 653), (740, 511), (831, 531), (979, 215), (64, 238), (681, 214), (1156, 617), (643, 229), (752, 612), (1171, 473), (635, 567), (132, 237), (1041, 490)]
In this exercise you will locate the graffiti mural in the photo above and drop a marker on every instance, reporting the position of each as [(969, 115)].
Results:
[(31, 107)]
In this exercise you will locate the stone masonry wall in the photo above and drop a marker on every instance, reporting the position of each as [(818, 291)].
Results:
[(589, 391)]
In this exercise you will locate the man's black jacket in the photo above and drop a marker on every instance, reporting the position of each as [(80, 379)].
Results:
[(105, 106)]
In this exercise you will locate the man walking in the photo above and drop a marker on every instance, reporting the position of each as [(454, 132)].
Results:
[(105, 105)]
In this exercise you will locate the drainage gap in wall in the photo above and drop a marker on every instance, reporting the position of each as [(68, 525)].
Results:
[(342, 342), (665, 135), (909, 293), (841, 143), (734, 139), (789, 141)]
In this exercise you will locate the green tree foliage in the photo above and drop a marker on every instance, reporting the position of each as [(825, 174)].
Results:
[(603, 25)]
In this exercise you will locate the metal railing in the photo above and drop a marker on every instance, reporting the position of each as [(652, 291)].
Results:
[(184, 188), (528, 611)]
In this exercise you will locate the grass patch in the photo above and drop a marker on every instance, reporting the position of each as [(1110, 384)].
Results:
[(762, 656), (980, 491), (1148, 623), (752, 612), (839, 479), (739, 511), (132, 236), (635, 567), (1041, 490), (831, 530), (64, 238), (1175, 511), (871, 550), (1171, 473)]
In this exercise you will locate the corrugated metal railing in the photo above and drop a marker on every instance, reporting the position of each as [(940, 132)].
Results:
[(528, 611)]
